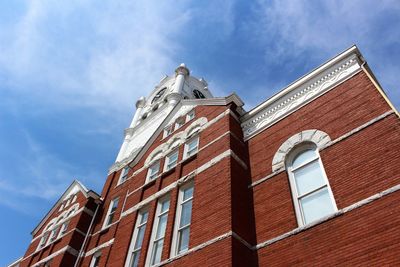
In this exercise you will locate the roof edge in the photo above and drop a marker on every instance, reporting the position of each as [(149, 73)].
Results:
[(87, 193), (302, 91)]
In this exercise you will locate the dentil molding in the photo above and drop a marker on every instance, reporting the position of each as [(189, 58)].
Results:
[(301, 92)]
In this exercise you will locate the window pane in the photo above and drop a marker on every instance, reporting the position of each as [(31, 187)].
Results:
[(135, 259), (164, 206), (64, 227), (316, 205), (144, 217), (157, 250), (308, 178), (188, 193), (139, 239), (193, 144), (110, 219), (183, 239), (173, 157), (96, 261), (161, 226), (114, 205), (125, 171), (155, 167), (304, 157), (186, 213)]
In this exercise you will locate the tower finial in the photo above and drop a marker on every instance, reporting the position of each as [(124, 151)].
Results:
[(182, 69)]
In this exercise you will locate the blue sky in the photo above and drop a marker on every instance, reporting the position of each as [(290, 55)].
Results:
[(71, 71)]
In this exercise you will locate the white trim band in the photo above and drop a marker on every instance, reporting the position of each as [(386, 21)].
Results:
[(326, 218)]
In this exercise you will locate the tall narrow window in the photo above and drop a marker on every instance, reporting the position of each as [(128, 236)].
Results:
[(153, 171), (158, 233), (171, 160), (111, 212), (43, 240), (183, 220), (167, 131), (137, 239), (124, 175), (95, 262), (64, 228), (311, 191), (179, 123), (190, 116), (191, 147), (53, 234)]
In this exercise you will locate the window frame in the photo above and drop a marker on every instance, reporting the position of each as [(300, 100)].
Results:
[(53, 234), (178, 217), (61, 207), (167, 160), (292, 180), (190, 115), (179, 123), (186, 148), (64, 228), (153, 176), (132, 245), (106, 223), (43, 240), (95, 259), (124, 174), (168, 130), (156, 222)]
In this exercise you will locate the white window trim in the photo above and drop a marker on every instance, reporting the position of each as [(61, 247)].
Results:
[(124, 175), (94, 258), (168, 130), (154, 229), (61, 207), (53, 236), (295, 196), (190, 116), (43, 240), (135, 236), (105, 225), (63, 228), (179, 123), (149, 178), (174, 245), (167, 160), (186, 148)]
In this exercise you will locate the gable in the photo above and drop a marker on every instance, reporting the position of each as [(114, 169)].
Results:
[(73, 189)]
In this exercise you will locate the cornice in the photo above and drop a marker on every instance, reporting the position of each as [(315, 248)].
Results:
[(301, 92)]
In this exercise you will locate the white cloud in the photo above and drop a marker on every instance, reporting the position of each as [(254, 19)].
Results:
[(293, 31), (108, 55), (85, 54), (292, 26)]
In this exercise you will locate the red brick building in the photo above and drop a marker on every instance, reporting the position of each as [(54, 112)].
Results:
[(308, 177)]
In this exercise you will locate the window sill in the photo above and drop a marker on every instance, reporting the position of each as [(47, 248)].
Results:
[(189, 159), (105, 229), (168, 172), (150, 183)]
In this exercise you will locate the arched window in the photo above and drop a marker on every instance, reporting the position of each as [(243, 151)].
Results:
[(312, 195)]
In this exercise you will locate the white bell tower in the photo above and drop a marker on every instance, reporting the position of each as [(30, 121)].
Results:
[(151, 111)]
